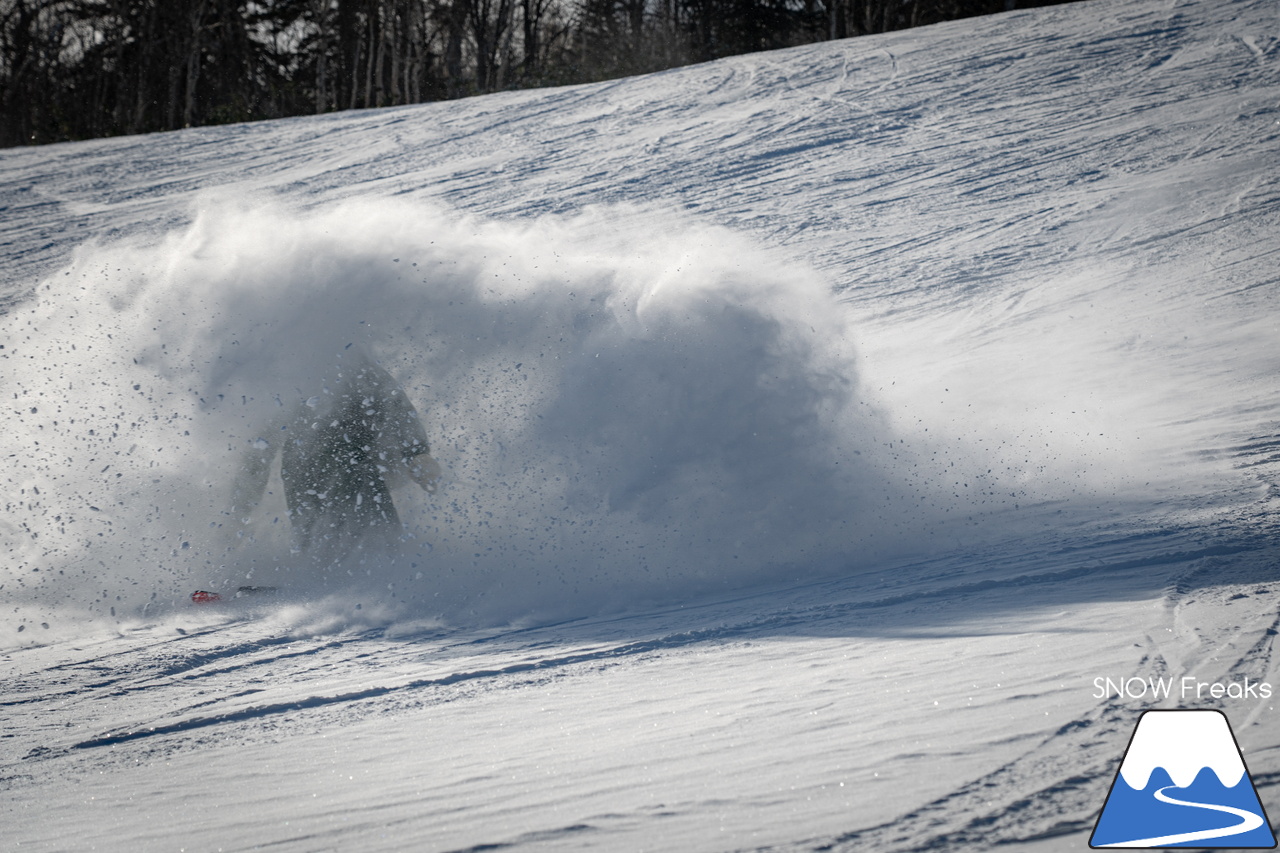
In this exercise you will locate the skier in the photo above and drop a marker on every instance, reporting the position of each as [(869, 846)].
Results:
[(337, 452)]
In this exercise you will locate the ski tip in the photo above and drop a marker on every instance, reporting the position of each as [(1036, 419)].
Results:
[(204, 596)]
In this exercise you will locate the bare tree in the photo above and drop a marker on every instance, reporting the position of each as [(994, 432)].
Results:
[(71, 69)]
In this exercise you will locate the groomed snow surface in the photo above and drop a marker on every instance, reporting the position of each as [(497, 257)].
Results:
[(820, 428)]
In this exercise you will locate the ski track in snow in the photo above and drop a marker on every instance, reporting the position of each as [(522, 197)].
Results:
[(1070, 212)]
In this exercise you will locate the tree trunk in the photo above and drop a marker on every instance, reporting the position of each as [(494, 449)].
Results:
[(195, 55)]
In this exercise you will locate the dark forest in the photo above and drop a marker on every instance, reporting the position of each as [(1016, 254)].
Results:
[(77, 69)]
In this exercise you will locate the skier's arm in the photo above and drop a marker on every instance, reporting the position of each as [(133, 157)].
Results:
[(403, 434), (251, 479), (419, 464)]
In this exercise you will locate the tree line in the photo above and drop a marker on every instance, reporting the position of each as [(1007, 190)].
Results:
[(76, 69)]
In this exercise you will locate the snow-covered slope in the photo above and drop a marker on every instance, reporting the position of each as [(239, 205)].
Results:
[(821, 426)]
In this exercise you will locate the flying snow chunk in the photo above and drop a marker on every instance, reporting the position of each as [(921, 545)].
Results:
[(1182, 783)]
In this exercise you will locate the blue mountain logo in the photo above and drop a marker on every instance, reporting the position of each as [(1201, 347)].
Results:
[(1183, 783)]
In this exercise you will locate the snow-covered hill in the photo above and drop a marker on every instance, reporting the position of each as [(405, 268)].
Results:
[(821, 428)]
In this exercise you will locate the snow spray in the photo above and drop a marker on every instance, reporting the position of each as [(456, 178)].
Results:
[(621, 415)]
